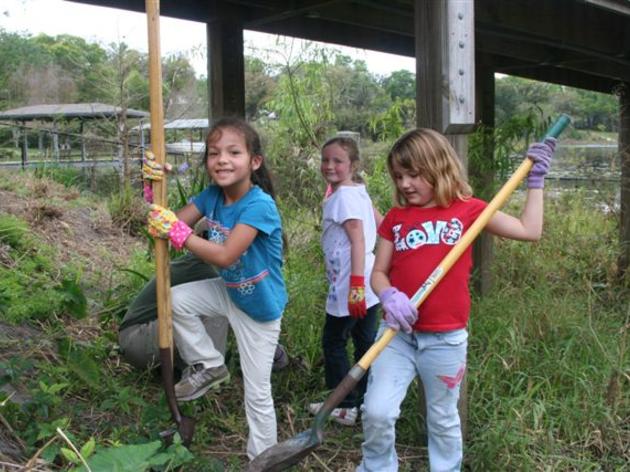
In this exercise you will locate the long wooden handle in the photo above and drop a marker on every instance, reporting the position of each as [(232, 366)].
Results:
[(469, 236), (163, 282)]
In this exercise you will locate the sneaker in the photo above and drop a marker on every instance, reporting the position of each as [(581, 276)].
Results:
[(344, 416), (196, 381), (280, 358)]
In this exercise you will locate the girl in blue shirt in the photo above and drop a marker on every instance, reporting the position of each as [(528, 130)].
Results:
[(245, 242)]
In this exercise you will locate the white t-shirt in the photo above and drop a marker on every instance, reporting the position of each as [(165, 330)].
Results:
[(346, 203)]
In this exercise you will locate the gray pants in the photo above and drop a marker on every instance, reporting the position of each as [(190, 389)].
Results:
[(137, 335), (139, 343)]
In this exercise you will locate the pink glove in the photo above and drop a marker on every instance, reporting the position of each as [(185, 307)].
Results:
[(164, 224), (541, 154), (400, 313), (152, 172)]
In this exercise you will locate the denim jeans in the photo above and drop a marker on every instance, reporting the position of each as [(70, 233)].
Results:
[(337, 330), (440, 361)]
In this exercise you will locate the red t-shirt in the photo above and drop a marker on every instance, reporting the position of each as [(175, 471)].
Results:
[(421, 238)]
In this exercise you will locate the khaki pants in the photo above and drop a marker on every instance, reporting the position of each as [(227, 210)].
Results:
[(196, 302)]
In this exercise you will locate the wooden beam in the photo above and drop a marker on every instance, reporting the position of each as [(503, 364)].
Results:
[(549, 55), (347, 35), (574, 25), (554, 75), (445, 76), (483, 172), (624, 154), (226, 69)]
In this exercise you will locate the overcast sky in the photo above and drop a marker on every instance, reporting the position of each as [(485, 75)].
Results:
[(108, 25)]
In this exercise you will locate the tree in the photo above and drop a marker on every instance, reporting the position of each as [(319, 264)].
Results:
[(259, 86), (400, 84)]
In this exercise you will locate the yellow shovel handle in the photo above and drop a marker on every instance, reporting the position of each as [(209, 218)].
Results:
[(469, 236)]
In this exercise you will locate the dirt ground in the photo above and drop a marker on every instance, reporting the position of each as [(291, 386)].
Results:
[(79, 234)]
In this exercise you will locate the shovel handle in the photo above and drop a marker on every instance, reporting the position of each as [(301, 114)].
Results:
[(469, 236)]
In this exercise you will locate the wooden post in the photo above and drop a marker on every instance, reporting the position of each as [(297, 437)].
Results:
[(163, 276), (483, 248), (445, 91), (83, 149), (226, 68), (624, 155), (24, 145)]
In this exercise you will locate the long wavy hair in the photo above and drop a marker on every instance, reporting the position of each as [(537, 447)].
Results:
[(261, 176), (428, 153)]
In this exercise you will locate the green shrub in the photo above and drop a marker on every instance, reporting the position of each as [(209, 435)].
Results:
[(128, 211), (14, 232)]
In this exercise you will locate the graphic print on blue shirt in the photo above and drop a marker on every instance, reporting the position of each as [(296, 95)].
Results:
[(254, 282)]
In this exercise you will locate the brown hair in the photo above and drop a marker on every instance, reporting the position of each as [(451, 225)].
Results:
[(352, 150), (429, 153), (261, 176)]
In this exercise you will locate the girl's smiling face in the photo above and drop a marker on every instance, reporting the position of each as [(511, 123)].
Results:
[(336, 166), (230, 164), (415, 188)]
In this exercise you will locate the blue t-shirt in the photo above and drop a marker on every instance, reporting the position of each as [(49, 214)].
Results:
[(254, 281)]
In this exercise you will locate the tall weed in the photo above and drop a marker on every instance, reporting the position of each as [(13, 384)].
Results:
[(544, 346)]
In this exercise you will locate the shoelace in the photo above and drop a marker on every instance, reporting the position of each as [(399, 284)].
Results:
[(196, 378)]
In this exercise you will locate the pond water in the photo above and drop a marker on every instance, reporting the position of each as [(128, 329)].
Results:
[(594, 168)]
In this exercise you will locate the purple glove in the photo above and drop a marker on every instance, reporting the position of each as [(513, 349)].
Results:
[(400, 313), (541, 154)]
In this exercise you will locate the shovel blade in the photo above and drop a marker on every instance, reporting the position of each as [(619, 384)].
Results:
[(185, 428), (287, 453)]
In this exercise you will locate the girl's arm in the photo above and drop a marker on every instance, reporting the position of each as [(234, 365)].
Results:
[(226, 254), (380, 272), (189, 214), (222, 255), (354, 230), (526, 228)]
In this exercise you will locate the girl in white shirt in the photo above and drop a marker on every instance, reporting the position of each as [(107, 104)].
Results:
[(348, 240)]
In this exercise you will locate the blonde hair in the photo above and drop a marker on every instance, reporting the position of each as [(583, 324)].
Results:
[(429, 154), (352, 150)]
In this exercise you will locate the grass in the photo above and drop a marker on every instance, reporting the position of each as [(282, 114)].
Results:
[(548, 373)]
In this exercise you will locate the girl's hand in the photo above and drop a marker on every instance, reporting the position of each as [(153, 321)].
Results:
[(164, 224), (541, 154), (400, 313), (356, 297)]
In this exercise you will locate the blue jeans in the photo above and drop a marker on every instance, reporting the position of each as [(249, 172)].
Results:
[(337, 330), (440, 361)]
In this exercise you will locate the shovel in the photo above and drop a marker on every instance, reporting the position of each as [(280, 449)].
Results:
[(185, 425), (291, 451)]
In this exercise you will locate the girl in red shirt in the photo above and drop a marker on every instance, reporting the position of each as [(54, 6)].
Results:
[(435, 208)]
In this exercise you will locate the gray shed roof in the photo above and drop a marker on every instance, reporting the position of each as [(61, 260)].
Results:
[(183, 123), (68, 110)]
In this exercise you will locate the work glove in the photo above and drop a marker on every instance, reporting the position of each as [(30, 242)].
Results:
[(151, 172), (400, 313), (541, 154), (356, 297), (165, 225)]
